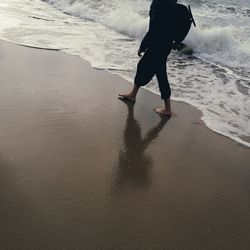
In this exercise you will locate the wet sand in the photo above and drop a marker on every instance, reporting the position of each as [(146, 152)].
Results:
[(80, 169)]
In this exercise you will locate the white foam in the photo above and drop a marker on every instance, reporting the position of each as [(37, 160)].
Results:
[(221, 45), (215, 39), (123, 16)]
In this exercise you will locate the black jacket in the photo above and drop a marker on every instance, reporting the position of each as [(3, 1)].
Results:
[(159, 34)]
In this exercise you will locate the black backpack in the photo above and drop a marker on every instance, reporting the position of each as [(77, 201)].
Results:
[(183, 19)]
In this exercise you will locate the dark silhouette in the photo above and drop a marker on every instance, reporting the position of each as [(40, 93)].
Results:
[(157, 45), (133, 168)]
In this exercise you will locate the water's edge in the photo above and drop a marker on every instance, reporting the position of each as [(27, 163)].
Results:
[(179, 100)]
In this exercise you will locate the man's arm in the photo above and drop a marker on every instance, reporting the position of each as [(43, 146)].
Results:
[(155, 14), (144, 43)]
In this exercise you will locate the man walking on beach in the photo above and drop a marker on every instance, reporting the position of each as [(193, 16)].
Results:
[(157, 45)]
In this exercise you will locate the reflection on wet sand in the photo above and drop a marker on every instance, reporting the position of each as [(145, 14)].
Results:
[(134, 164)]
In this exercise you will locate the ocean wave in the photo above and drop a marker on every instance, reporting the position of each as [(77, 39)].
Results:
[(127, 17), (215, 39), (223, 45)]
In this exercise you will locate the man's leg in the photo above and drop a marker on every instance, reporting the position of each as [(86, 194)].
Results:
[(145, 72), (164, 88)]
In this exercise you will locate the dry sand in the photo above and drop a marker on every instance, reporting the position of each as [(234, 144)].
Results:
[(80, 169)]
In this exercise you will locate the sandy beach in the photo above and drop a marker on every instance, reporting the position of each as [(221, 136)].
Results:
[(80, 169)]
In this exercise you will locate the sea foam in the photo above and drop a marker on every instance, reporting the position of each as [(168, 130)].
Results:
[(215, 39)]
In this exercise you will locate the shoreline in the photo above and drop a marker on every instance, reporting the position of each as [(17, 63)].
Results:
[(240, 141), (81, 169), (244, 143)]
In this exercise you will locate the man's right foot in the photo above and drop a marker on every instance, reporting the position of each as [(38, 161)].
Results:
[(127, 97), (163, 111)]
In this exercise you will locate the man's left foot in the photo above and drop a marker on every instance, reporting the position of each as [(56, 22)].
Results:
[(163, 111)]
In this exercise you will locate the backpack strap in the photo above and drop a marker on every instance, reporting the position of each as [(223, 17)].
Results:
[(191, 16)]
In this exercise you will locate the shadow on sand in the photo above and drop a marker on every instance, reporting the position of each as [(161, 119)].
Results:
[(134, 164)]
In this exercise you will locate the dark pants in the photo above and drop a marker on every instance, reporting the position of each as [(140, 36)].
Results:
[(154, 62)]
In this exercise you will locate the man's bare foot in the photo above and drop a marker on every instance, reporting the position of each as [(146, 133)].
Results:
[(127, 97), (163, 111)]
